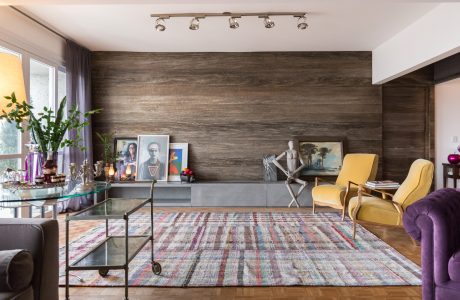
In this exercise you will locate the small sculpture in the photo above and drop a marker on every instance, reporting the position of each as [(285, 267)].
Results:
[(269, 168), (292, 172), (85, 174)]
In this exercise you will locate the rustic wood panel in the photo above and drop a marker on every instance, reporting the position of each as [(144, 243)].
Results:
[(235, 107), (408, 122)]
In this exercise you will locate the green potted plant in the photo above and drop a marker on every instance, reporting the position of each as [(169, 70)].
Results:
[(109, 155), (48, 128)]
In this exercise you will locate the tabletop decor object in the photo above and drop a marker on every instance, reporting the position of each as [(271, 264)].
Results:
[(85, 173), (453, 158), (187, 175)]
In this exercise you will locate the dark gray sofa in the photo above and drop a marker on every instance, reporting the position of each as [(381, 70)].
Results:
[(41, 238)]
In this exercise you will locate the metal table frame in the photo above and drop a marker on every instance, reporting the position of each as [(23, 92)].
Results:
[(128, 257)]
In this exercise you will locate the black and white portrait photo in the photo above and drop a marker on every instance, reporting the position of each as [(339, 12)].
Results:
[(152, 157)]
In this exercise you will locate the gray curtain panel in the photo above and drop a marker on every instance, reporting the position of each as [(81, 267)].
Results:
[(78, 84)]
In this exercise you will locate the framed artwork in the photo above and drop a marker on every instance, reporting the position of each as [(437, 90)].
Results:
[(152, 157), (126, 157), (321, 156), (178, 160)]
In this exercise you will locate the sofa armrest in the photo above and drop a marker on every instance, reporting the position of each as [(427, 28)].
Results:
[(435, 220), (41, 238)]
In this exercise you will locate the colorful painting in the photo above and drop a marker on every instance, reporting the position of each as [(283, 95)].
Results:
[(178, 160), (321, 158)]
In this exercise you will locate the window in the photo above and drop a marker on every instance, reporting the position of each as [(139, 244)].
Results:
[(41, 86), (46, 83), (10, 138)]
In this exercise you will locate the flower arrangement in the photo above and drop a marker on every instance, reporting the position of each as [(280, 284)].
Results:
[(187, 175)]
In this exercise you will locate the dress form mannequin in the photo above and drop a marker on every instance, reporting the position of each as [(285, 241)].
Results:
[(292, 172)]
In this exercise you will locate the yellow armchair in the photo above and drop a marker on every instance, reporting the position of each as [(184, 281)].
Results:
[(357, 169), (388, 209)]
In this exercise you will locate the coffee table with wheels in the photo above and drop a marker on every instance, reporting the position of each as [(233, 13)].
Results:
[(114, 252)]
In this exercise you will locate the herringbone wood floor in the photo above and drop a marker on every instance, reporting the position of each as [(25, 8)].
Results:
[(396, 237)]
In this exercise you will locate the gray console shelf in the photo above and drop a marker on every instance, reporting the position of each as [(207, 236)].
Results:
[(213, 194)]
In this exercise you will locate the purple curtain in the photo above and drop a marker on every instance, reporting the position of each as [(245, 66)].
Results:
[(78, 84)]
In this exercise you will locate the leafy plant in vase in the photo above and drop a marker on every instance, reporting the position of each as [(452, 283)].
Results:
[(48, 128), (109, 155)]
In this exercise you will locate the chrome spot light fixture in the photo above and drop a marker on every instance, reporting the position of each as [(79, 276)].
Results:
[(233, 23), (194, 24), (160, 24), (232, 18), (302, 23), (268, 22)]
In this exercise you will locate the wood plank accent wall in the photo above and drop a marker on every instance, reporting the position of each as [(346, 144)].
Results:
[(235, 107), (408, 122)]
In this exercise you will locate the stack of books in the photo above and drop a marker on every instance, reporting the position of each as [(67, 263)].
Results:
[(383, 184)]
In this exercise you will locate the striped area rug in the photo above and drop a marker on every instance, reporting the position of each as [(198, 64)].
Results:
[(252, 249)]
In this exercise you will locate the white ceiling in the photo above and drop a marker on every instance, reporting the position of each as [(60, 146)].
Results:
[(123, 25)]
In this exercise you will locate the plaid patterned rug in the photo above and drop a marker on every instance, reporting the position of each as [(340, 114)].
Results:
[(251, 249)]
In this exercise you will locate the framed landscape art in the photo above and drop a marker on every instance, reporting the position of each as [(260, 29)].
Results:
[(152, 157), (178, 160), (321, 156)]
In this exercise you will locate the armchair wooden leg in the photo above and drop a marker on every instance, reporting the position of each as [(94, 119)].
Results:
[(343, 213), (313, 206)]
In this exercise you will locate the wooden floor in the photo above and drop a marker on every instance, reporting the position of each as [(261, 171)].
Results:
[(396, 237)]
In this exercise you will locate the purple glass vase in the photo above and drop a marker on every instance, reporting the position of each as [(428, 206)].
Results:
[(453, 159), (33, 163)]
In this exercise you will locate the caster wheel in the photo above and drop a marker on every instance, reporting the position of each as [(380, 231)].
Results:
[(156, 268), (103, 272)]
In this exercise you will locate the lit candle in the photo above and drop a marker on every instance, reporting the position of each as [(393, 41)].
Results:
[(128, 170), (111, 170)]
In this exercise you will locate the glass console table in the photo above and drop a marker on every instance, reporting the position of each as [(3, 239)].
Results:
[(41, 196), (113, 252)]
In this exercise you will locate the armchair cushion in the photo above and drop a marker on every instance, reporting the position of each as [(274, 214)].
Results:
[(454, 266), (329, 194), (16, 270), (374, 209)]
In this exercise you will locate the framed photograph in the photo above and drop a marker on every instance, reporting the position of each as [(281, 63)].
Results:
[(178, 160), (152, 157), (126, 157), (321, 156)]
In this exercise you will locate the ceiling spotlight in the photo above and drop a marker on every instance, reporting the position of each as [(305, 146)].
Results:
[(302, 23), (233, 23), (160, 24), (194, 24), (268, 23)]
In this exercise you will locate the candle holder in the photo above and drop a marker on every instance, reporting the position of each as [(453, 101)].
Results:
[(85, 173)]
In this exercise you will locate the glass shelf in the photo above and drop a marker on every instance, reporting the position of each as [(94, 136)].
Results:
[(112, 208), (111, 253), (58, 193)]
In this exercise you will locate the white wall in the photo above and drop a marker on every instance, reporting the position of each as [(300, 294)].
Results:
[(447, 123), (433, 37), (19, 32)]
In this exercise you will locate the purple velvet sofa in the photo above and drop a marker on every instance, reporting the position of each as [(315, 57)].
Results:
[(435, 221)]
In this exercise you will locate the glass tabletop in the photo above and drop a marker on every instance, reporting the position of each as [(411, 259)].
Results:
[(111, 253), (112, 208), (58, 193)]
